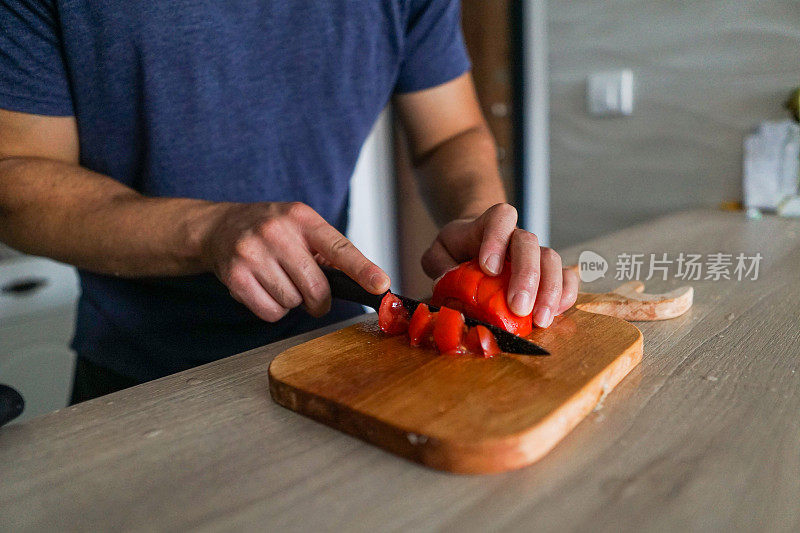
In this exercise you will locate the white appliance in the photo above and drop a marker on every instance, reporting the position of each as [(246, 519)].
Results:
[(37, 316)]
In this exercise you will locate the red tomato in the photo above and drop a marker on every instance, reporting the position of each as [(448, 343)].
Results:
[(472, 343), (420, 329), (463, 281), (480, 341), (479, 296), (448, 332), (392, 316)]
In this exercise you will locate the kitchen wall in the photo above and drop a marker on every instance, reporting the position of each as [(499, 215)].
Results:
[(705, 73)]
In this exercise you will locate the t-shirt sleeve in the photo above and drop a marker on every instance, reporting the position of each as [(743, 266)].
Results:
[(434, 51), (32, 74)]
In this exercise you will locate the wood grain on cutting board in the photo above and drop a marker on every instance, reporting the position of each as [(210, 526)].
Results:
[(457, 413)]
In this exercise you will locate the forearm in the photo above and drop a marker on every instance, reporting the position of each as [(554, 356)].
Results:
[(460, 178), (74, 215)]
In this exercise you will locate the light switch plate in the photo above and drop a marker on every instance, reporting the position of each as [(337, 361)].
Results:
[(610, 93)]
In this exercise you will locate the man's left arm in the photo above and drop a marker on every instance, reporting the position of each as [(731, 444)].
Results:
[(455, 162)]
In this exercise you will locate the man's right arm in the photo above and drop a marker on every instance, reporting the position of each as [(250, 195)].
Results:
[(266, 253)]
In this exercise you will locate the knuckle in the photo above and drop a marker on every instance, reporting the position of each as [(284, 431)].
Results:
[(528, 275), (317, 290), (297, 210), (525, 237), (550, 293), (246, 248), (506, 211), (236, 280), (315, 287), (270, 228), (570, 294), (571, 280), (340, 247), (290, 299), (549, 254)]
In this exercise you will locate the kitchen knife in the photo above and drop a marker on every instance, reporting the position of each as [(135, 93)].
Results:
[(345, 288)]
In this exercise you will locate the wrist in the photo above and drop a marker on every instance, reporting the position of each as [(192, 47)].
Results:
[(200, 223)]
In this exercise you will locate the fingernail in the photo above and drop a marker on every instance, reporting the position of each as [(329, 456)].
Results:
[(378, 282), (543, 317), (494, 263), (521, 304)]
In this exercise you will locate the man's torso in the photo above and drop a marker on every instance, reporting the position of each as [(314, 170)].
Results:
[(235, 100)]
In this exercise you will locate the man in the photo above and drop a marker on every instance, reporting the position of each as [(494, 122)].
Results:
[(192, 160)]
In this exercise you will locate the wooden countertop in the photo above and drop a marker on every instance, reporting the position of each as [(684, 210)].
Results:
[(705, 433)]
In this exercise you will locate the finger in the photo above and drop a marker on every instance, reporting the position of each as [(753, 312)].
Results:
[(462, 239), (525, 272), (499, 223), (341, 253), (437, 260), (278, 284), (306, 276), (569, 290), (247, 290), (549, 294)]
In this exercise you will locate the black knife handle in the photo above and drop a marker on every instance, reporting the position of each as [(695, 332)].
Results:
[(11, 404), (344, 287)]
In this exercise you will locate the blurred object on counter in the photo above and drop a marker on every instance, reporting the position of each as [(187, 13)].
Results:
[(771, 164), (731, 205), (789, 207), (753, 213), (793, 104)]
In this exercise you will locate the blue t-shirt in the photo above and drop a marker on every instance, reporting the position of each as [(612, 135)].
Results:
[(234, 100)]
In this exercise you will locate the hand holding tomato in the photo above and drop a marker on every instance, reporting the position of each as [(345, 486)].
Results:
[(537, 283)]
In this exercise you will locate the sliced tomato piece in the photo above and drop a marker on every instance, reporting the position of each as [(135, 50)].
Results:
[(456, 305), (448, 332), (460, 283), (420, 329), (472, 341), (392, 315), (480, 341)]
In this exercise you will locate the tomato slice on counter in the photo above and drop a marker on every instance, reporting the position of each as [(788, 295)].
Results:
[(448, 331), (480, 341), (392, 315), (420, 329), (483, 297)]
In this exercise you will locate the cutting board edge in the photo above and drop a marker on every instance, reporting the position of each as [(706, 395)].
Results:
[(491, 455)]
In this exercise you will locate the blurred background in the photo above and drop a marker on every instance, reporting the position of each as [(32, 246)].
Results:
[(606, 113), (702, 76)]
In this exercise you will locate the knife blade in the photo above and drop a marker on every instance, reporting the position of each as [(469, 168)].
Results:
[(345, 288)]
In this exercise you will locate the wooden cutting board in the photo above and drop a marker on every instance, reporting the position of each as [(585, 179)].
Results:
[(457, 413)]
